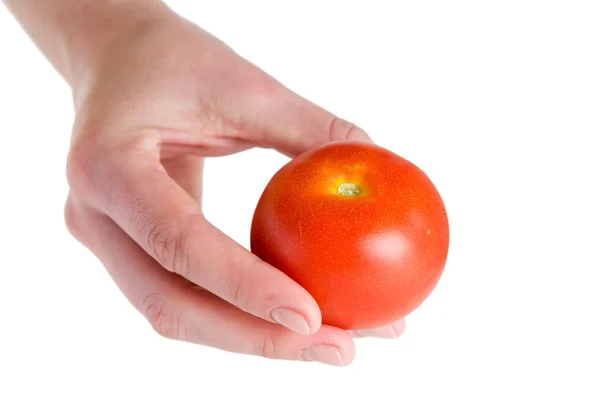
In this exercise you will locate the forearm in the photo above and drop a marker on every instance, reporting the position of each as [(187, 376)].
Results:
[(72, 34)]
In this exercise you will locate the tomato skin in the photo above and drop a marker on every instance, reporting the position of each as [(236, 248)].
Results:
[(368, 260)]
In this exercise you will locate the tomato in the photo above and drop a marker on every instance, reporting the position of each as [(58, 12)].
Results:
[(362, 229)]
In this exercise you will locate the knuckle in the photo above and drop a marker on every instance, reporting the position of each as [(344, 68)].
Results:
[(240, 284), (75, 219), (79, 171), (71, 218), (166, 243), (270, 345), (159, 238), (93, 163), (161, 317), (342, 130), (238, 292)]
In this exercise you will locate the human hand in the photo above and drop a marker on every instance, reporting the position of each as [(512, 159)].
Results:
[(162, 95)]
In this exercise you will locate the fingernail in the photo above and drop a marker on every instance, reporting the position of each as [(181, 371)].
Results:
[(291, 320), (385, 332), (326, 354)]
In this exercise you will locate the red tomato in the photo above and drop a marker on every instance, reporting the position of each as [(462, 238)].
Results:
[(359, 227)]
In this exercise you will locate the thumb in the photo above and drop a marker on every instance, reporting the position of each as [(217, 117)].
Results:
[(291, 124)]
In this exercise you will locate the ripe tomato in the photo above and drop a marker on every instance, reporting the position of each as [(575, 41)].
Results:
[(359, 227)]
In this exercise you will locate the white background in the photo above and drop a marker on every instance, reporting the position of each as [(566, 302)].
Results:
[(499, 102)]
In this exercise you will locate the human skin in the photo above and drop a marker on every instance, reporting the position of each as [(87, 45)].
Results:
[(154, 95)]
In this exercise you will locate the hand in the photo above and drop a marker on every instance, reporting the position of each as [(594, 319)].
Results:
[(163, 95)]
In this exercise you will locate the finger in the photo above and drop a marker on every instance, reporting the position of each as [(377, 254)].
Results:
[(214, 322), (187, 171), (176, 309), (391, 331), (168, 224), (292, 125), (119, 254)]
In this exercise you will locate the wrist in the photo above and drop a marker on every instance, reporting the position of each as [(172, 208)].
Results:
[(88, 36), (73, 33)]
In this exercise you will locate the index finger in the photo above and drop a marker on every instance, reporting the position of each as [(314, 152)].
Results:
[(168, 224)]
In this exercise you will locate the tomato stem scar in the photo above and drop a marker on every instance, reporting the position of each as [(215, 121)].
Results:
[(348, 189)]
